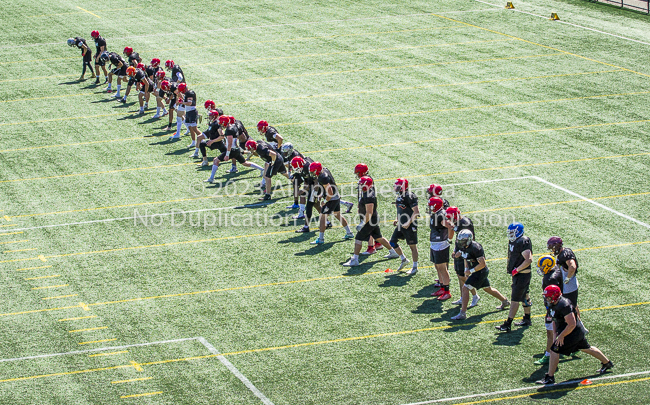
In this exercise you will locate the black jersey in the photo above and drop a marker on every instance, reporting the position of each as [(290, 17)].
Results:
[(115, 59), (264, 151), (325, 177), (465, 223), (270, 134), (190, 96), (305, 174), (515, 250), (566, 255), (405, 203), (241, 129), (149, 82), (134, 59), (99, 43), (553, 277), (294, 153), (369, 197), (213, 131), (472, 253), (231, 130), (137, 77), (439, 232), (559, 311), (177, 74)]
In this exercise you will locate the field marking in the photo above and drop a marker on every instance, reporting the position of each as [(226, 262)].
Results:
[(10, 233), (620, 214), (38, 278), (20, 250), (77, 318), (33, 268), (235, 371), (111, 354), (93, 14), (565, 22), (264, 26), (383, 68), (147, 394), (77, 12), (2, 226), (87, 329), (543, 46), (97, 341), (14, 241), (50, 286), (128, 381), (375, 91), (541, 389), (60, 296)]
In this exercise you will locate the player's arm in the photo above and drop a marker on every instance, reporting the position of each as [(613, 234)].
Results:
[(450, 230), (370, 209), (528, 259), (279, 139), (188, 101), (479, 266), (570, 325), (273, 156), (416, 214), (146, 86), (571, 265), (84, 49), (179, 77), (229, 141), (329, 192)]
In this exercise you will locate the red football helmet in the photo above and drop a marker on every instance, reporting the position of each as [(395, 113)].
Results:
[(453, 214), (140, 66), (261, 126), (128, 50), (365, 183), (182, 87), (316, 168), (164, 85), (553, 293), (401, 185), (160, 74), (224, 120), (169, 64), (213, 114), (251, 145), (435, 204), (209, 104), (297, 163), (435, 190), (232, 119), (94, 34), (361, 169), (155, 62), (130, 71)]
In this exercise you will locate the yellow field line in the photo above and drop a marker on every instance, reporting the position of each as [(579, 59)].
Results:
[(551, 391), (33, 268), (87, 329), (131, 380), (52, 298), (50, 286), (307, 344), (38, 278), (83, 9), (2, 226), (14, 241), (383, 68), (77, 318), (141, 395), (19, 250), (540, 45), (99, 341), (10, 233), (109, 354)]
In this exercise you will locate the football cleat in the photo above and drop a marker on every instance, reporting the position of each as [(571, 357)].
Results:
[(351, 263), (378, 246), (370, 251), (318, 241), (547, 380), (192, 145), (293, 206), (175, 136), (458, 301), (328, 225), (505, 327), (444, 296), (438, 293), (211, 181), (404, 262), (195, 155), (412, 271), (156, 115), (266, 197), (542, 360), (304, 229), (504, 305), (348, 236), (461, 316), (391, 255), (606, 366), (301, 215), (475, 300), (204, 163), (232, 170), (524, 322)]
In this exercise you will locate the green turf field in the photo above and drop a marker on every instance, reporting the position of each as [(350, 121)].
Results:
[(521, 118)]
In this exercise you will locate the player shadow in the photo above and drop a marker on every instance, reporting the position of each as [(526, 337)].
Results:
[(149, 121), (470, 323), (132, 116), (299, 238), (72, 82), (394, 279), (178, 152), (103, 100), (316, 249), (425, 292), (165, 142), (158, 134), (430, 306), (512, 338)]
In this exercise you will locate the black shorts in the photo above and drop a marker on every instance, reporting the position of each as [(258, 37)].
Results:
[(88, 56), (160, 93), (571, 345), (410, 235), (331, 206), (215, 145), (119, 72), (520, 287), (478, 279), (573, 297), (277, 167), (459, 266), (368, 231), (234, 154), (190, 118), (172, 103), (100, 62), (439, 256)]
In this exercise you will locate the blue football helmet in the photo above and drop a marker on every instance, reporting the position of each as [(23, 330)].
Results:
[(515, 231), (71, 42)]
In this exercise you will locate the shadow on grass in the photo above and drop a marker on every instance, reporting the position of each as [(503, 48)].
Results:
[(430, 306), (512, 338), (316, 249), (395, 279), (299, 238), (76, 81)]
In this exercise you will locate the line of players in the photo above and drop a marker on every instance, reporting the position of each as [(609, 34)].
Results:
[(314, 187)]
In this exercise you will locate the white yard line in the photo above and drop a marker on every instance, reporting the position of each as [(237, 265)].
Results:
[(566, 23), (235, 371), (620, 214), (536, 387), (261, 27)]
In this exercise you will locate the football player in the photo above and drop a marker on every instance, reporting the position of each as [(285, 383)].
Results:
[(406, 226), (135, 75), (476, 271), (179, 106), (288, 153), (191, 114), (176, 72), (520, 257), (568, 263), (132, 57), (100, 47), (156, 74), (269, 155), (167, 92), (242, 136), (369, 225), (271, 134), (301, 173), (569, 334), (212, 137), (551, 275), (439, 245), (232, 150), (119, 70), (145, 87), (86, 54), (457, 222), (328, 191), (361, 170)]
